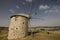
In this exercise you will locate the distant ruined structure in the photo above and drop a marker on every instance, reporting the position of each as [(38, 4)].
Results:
[(18, 26)]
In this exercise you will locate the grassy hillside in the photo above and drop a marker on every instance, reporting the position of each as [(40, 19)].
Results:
[(41, 35), (3, 33)]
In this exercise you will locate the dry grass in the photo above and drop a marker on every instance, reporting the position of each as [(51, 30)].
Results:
[(38, 36), (3, 34)]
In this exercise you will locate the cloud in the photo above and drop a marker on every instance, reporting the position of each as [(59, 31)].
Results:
[(12, 11), (29, 0), (46, 11), (44, 7), (23, 3), (17, 6), (53, 10)]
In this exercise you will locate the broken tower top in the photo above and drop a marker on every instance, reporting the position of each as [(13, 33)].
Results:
[(21, 14)]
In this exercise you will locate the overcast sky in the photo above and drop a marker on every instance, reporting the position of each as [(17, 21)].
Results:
[(47, 12)]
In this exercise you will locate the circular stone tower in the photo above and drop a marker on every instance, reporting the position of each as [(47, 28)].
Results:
[(18, 26)]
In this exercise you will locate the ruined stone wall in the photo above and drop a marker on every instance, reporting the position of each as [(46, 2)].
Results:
[(18, 27)]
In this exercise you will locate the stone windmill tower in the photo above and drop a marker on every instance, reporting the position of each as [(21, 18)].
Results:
[(18, 26)]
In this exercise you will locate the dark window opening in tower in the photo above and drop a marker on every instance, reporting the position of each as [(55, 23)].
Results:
[(16, 28), (23, 22)]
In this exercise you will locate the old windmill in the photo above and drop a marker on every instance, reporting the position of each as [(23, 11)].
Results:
[(19, 25)]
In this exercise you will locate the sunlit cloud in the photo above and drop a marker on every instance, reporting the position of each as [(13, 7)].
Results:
[(17, 6), (23, 3), (43, 7), (54, 9), (29, 0), (12, 11)]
